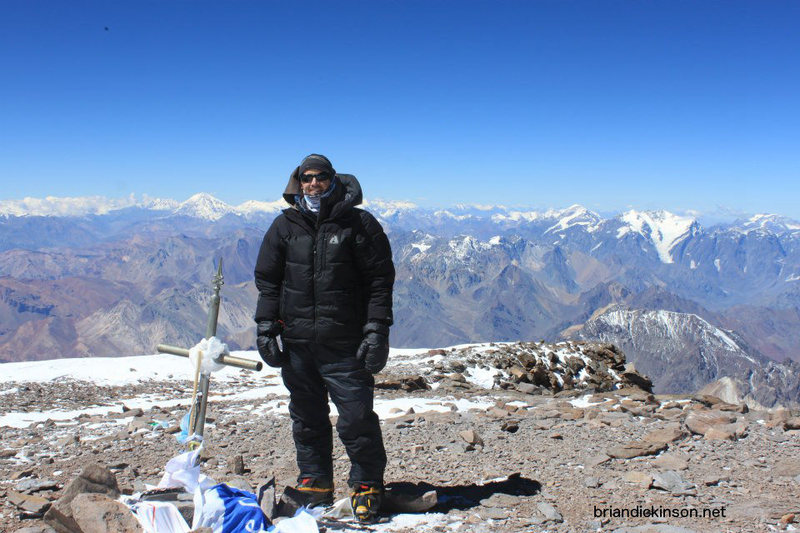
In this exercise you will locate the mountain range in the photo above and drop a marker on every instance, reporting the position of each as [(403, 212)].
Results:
[(91, 276)]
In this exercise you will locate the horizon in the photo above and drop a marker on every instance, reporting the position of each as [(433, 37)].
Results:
[(676, 106), (100, 205)]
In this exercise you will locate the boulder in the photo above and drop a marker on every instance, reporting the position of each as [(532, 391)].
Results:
[(636, 449), (97, 513), (94, 479), (701, 421)]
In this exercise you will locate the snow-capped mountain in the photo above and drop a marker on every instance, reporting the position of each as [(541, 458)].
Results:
[(121, 277), (662, 229), (682, 352), (201, 205)]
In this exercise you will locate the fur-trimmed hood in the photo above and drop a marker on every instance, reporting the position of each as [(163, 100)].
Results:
[(348, 190)]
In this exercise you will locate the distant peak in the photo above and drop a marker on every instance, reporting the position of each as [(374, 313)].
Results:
[(662, 228)]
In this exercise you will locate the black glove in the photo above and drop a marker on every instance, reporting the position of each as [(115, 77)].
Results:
[(267, 343), (374, 349)]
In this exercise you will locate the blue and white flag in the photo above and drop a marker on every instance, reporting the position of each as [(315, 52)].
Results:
[(228, 510)]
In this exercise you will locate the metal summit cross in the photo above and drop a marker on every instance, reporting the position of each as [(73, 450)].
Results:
[(200, 396)]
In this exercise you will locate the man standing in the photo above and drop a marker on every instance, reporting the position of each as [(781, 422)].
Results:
[(324, 276)]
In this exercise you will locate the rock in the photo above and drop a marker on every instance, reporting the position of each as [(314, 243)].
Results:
[(778, 417), (596, 460), (512, 426), (788, 518), (67, 441), (727, 432), (95, 479), (638, 380), (97, 513), (787, 468), (6, 453), (528, 388), (470, 436), (700, 422), (492, 513), (638, 478), (238, 482), (635, 449), (672, 482), (266, 498), (236, 464), (666, 435), (707, 399), (31, 485), (792, 423), (714, 480), (397, 500), (29, 503), (671, 461), (591, 482), (550, 513)]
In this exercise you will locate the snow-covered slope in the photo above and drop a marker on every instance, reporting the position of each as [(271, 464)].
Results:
[(663, 229)]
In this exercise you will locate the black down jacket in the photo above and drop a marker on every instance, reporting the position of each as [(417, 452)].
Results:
[(327, 276)]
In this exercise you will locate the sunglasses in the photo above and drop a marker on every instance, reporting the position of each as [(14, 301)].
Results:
[(306, 178)]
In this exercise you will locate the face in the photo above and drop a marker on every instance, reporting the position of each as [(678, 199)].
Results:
[(314, 187)]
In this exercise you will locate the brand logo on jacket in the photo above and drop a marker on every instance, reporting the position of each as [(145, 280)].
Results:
[(334, 240)]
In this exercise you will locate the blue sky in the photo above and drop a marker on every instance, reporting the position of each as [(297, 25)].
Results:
[(668, 104)]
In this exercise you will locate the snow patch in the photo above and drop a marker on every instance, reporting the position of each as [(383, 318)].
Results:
[(662, 228)]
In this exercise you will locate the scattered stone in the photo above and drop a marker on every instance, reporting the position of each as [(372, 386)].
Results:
[(714, 480), (266, 498), (236, 464), (512, 426), (470, 436), (31, 485), (596, 460), (671, 461), (67, 441), (792, 423), (27, 502), (492, 513), (5, 454), (591, 483), (635, 449), (550, 513), (528, 388), (726, 432), (666, 435), (638, 478), (787, 468), (671, 481), (19, 474)]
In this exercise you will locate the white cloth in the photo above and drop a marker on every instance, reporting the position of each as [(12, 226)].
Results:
[(160, 517), (301, 522), (207, 351), (183, 471)]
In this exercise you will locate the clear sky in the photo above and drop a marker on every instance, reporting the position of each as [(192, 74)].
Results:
[(651, 104)]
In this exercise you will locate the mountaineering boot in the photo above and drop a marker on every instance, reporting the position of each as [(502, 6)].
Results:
[(318, 490), (366, 501)]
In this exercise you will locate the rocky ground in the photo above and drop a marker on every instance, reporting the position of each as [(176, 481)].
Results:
[(462, 420)]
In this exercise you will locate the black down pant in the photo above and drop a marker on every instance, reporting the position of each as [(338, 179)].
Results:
[(313, 371)]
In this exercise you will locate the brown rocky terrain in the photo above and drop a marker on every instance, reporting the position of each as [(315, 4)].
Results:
[(548, 447)]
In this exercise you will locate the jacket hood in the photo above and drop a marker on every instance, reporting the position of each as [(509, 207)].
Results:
[(348, 190)]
